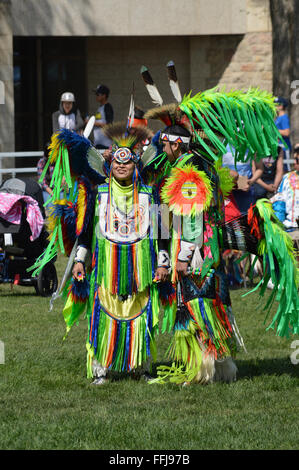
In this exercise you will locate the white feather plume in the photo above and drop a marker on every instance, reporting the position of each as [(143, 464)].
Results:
[(151, 87), (154, 94), (173, 81)]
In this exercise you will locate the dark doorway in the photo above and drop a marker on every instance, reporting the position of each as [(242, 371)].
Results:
[(44, 68), (63, 69), (25, 96)]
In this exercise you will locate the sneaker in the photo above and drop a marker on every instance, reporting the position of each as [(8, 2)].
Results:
[(186, 384), (146, 377), (100, 381)]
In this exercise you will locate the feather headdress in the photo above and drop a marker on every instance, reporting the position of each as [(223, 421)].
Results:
[(173, 81), (122, 137), (151, 87), (125, 148), (169, 114), (216, 118)]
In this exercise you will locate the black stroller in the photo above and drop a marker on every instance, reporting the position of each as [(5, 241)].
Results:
[(17, 251)]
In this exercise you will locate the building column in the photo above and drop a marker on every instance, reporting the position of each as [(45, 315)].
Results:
[(7, 133)]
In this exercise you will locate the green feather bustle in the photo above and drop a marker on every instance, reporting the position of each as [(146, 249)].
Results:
[(245, 120), (279, 265)]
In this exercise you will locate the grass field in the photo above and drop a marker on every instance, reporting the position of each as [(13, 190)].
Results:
[(46, 402)]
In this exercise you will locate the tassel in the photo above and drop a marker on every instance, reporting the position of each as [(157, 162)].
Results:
[(79, 290)]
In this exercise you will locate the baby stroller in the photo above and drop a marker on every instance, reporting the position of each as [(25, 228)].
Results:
[(23, 236)]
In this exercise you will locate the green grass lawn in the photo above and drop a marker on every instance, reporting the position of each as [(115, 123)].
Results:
[(46, 402)]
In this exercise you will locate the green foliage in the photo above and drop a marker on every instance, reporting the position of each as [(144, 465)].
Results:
[(48, 403)]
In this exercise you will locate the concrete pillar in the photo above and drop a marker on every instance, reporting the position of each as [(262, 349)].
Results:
[(7, 134)]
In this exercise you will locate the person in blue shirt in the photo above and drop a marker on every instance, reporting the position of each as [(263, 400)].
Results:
[(283, 125)]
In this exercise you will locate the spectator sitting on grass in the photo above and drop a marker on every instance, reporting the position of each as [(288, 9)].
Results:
[(286, 201), (271, 177)]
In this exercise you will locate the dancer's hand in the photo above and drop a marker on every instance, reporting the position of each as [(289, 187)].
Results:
[(78, 271), (107, 155), (182, 268), (161, 274)]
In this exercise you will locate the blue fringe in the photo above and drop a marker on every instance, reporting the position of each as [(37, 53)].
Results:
[(90, 203), (94, 326), (130, 270), (96, 261), (153, 255), (98, 311), (205, 318), (116, 342), (118, 250), (77, 146), (126, 352), (149, 326), (165, 290), (68, 214), (80, 289)]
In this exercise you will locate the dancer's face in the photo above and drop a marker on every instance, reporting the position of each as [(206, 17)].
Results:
[(172, 150), (123, 172)]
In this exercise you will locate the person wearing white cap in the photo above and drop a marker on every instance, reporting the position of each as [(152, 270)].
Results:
[(68, 116)]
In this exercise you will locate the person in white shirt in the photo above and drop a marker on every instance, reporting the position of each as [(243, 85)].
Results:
[(286, 201), (67, 117)]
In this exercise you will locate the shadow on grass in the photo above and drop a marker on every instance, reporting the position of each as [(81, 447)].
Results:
[(254, 367), (21, 294), (137, 374), (258, 367)]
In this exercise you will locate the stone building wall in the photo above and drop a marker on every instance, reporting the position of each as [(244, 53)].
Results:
[(232, 48), (251, 63), (204, 61)]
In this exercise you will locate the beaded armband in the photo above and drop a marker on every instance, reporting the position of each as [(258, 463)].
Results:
[(163, 259)]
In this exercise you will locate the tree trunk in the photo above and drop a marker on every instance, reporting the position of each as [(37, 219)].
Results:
[(285, 34)]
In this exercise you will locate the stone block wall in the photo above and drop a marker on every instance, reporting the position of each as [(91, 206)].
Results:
[(251, 63)]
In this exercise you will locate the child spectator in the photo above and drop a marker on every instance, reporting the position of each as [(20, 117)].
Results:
[(68, 116)]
